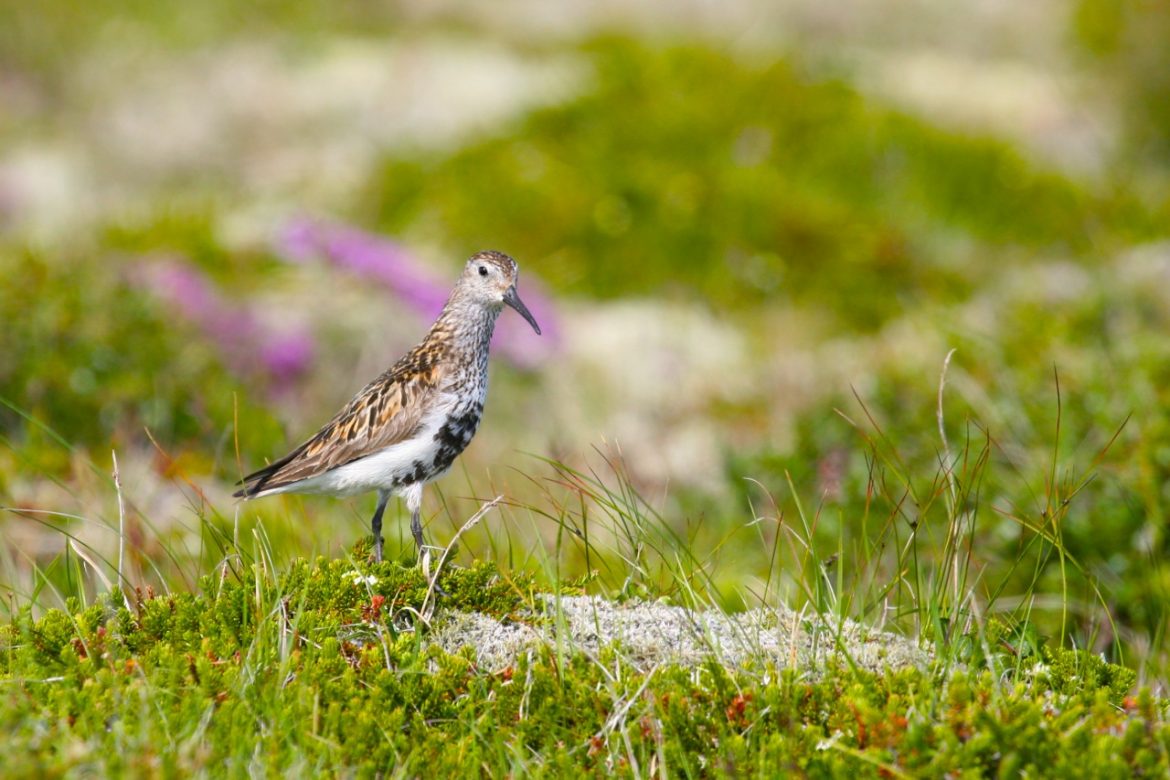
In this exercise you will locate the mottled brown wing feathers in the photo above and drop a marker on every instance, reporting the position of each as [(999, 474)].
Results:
[(385, 412)]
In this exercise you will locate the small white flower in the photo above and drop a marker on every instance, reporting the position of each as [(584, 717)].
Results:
[(359, 578)]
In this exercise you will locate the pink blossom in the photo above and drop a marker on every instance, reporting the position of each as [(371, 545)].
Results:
[(248, 347), (370, 256)]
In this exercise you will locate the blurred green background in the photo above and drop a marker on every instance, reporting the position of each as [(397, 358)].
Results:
[(755, 232)]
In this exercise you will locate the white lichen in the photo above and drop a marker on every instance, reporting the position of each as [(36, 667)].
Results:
[(647, 634)]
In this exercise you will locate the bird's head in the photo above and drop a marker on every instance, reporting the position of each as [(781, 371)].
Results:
[(490, 278)]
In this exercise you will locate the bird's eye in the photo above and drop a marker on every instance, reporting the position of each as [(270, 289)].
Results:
[(482, 271)]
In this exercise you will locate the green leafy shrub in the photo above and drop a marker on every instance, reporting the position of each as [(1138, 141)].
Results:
[(1077, 671), (684, 171), (100, 361)]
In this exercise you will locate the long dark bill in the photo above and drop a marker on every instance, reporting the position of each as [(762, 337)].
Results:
[(513, 299)]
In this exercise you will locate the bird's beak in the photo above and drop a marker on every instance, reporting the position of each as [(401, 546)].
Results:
[(513, 299)]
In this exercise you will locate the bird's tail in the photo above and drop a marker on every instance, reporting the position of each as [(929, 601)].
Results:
[(261, 481)]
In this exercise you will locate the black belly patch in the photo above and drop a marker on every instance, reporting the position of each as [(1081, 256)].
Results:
[(418, 474), (454, 436)]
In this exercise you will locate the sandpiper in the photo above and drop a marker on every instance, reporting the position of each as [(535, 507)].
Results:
[(406, 427)]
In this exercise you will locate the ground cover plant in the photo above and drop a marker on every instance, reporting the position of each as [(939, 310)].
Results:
[(323, 665), (811, 354)]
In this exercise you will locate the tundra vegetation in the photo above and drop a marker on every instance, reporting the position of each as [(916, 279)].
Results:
[(845, 452)]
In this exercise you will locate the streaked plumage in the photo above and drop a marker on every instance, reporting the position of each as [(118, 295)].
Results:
[(406, 427)]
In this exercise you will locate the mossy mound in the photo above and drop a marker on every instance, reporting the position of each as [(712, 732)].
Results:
[(331, 667)]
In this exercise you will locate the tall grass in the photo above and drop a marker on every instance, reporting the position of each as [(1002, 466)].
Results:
[(907, 557)]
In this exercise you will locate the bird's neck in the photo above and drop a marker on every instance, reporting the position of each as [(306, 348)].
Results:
[(466, 327)]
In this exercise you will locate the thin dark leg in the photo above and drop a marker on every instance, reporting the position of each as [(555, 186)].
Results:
[(414, 504), (416, 530), (424, 555), (376, 524)]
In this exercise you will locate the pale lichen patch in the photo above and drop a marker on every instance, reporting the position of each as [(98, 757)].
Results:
[(647, 634)]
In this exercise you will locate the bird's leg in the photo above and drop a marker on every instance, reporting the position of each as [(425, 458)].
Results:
[(376, 523), (424, 552), (414, 504), (416, 530)]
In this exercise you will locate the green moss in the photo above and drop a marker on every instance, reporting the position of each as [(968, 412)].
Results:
[(1072, 671), (269, 672), (52, 633)]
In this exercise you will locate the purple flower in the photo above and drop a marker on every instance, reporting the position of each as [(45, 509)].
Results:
[(378, 258), (367, 256), (287, 355), (247, 346)]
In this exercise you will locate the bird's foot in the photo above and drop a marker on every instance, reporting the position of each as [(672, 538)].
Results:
[(425, 555)]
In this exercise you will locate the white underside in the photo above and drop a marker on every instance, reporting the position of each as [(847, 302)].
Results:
[(382, 470)]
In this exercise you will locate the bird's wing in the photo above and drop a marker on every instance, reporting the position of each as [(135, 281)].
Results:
[(385, 412)]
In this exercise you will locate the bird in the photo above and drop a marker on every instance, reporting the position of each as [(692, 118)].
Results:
[(406, 427)]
